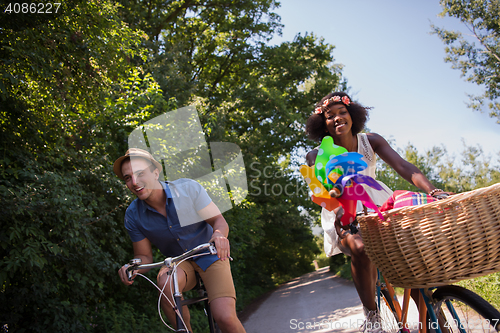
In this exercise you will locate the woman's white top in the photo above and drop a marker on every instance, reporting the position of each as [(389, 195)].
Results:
[(378, 197)]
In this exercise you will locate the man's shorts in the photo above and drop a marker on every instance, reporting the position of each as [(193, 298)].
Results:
[(217, 279)]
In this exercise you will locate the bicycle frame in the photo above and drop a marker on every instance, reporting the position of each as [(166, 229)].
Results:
[(402, 313), (171, 262)]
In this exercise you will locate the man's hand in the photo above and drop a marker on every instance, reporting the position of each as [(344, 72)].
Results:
[(221, 244), (122, 272)]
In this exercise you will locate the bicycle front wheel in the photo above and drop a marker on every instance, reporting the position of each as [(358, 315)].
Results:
[(388, 317), (461, 310)]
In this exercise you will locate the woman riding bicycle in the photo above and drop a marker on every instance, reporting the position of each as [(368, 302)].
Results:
[(337, 116)]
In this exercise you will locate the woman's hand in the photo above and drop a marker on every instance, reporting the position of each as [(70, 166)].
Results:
[(441, 194), (338, 225), (221, 244)]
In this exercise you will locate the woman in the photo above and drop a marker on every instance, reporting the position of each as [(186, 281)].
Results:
[(337, 116)]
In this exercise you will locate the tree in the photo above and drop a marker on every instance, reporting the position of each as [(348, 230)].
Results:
[(76, 84), (472, 171), (479, 63), (198, 46), (60, 242), (428, 163)]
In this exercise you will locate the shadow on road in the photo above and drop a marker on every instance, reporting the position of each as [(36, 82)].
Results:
[(315, 302)]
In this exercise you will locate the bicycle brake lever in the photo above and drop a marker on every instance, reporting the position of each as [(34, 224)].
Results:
[(213, 250), (133, 263)]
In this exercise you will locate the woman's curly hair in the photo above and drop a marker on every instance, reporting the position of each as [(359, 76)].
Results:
[(316, 124)]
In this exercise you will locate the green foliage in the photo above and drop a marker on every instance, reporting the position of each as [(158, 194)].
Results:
[(64, 239), (340, 264), (76, 84), (123, 317), (473, 170), (61, 233), (68, 62), (480, 62), (488, 287), (200, 47)]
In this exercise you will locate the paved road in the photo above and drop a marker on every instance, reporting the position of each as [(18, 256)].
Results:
[(315, 302)]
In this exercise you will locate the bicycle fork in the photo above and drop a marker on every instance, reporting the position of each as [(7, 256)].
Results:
[(178, 304), (400, 314)]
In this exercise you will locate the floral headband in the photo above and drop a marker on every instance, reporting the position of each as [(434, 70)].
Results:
[(327, 101)]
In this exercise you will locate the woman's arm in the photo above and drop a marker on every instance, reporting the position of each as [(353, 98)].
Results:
[(404, 168)]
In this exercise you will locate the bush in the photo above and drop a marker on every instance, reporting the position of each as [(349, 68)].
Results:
[(340, 264)]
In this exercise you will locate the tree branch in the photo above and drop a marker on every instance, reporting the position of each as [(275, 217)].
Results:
[(481, 40), (172, 16)]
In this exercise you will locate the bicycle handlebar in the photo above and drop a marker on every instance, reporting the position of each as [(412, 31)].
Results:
[(135, 264)]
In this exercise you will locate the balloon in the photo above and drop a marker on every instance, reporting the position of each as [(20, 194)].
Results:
[(314, 184), (326, 151), (335, 166)]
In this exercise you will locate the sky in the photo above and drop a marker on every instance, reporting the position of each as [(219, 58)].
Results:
[(393, 64)]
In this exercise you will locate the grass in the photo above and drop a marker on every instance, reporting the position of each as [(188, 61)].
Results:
[(340, 264), (322, 260), (488, 287)]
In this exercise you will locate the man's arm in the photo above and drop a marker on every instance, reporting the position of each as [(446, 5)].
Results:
[(143, 251), (211, 214)]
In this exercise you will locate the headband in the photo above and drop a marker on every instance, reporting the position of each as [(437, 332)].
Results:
[(334, 99)]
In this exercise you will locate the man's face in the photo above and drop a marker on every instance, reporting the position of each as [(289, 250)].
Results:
[(139, 178)]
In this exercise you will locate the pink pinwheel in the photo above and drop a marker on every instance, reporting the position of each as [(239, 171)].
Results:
[(336, 178)]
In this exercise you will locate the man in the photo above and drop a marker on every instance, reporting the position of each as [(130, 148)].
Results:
[(153, 219)]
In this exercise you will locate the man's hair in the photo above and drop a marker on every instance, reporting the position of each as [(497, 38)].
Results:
[(316, 124)]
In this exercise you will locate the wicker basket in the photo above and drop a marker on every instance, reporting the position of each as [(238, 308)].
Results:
[(437, 243)]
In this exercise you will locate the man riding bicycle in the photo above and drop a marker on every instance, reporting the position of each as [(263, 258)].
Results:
[(153, 218)]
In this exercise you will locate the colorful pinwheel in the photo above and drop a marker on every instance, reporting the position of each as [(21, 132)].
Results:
[(334, 180)]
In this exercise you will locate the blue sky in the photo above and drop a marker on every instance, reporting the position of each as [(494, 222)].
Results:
[(393, 64)]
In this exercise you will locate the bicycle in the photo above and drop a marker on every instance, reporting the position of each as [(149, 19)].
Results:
[(448, 308), (429, 246), (417, 246), (172, 263)]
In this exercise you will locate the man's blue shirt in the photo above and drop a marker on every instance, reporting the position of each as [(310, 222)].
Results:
[(143, 221)]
